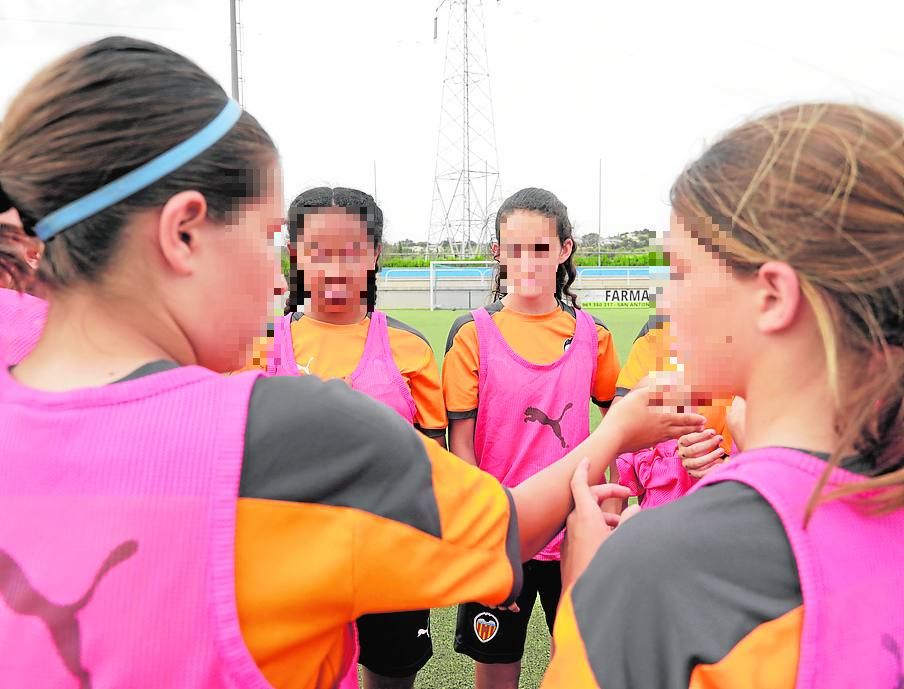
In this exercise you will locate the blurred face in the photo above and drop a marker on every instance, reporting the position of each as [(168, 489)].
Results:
[(336, 255), (709, 313), (531, 252), (244, 275)]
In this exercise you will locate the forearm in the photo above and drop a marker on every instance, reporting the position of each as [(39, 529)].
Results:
[(544, 500), (461, 439)]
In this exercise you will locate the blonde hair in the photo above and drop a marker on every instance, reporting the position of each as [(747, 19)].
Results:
[(820, 186)]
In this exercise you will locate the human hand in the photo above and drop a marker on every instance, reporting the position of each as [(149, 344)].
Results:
[(642, 418), (587, 526), (701, 452)]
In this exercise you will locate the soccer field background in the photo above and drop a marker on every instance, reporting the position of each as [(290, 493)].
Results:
[(623, 323), (447, 669)]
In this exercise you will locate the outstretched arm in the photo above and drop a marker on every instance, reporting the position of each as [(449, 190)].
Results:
[(544, 501)]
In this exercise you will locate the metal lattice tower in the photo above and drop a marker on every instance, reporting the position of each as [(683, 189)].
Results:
[(466, 189)]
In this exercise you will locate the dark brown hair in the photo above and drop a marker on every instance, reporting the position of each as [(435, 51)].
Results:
[(548, 204), (98, 113), (353, 201)]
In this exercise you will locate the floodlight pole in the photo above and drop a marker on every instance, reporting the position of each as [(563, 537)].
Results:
[(599, 217), (234, 50)]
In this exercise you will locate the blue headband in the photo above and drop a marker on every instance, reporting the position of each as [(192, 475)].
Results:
[(141, 177)]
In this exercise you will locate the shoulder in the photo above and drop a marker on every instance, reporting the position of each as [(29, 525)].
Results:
[(717, 561), (406, 332), (655, 325), (572, 311), (312, 441), (14, 304), (688, 529), (600, 325), (464, 325)]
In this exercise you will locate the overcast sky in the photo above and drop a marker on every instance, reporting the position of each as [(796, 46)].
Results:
[(340, 84)]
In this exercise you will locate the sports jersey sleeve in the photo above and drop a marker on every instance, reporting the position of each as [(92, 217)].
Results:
[(382, 515), (637, 366), (473, 553), (415, 359), (461, 370), (678, 598), (607, 367), (427, 391)]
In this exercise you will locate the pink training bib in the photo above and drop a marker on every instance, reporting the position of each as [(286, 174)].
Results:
[(851, 568), (530, 415), (22, 318), (655, 475), (117, 530), (376, 375)]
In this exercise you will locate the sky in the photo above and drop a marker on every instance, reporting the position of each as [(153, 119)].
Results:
[(347, 86)]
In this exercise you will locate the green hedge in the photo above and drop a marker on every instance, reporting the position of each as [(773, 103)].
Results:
[(649, 259), (579, 260)]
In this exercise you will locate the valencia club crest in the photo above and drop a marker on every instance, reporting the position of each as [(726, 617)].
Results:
[(486, 626)]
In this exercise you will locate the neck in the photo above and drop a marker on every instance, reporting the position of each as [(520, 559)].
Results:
[(793, 409), (349, 316), (71, 354), (530, 305)]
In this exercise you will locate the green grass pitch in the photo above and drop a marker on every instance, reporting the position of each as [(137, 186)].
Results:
[(447, 669)]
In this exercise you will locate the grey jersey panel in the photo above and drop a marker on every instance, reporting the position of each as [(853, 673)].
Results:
[(681, 585), (320, 442), (399, 325), (495, 307)]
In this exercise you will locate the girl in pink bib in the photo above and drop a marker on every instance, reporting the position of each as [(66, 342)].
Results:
[(784, 567), (22, 315), (162, 525), (335, 240), (518, 377)]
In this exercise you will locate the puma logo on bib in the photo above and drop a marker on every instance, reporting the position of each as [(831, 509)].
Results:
[(555, 425), (22, 598), (486, 626), (892, 646)]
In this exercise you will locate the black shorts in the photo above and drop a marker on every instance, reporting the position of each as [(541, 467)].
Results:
[(395, 644), (491, 636)]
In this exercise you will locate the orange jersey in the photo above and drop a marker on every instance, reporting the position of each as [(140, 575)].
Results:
[(333, 351), (701, 593), (540, 339), (650, 352), (767, 658), (344, 511)]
